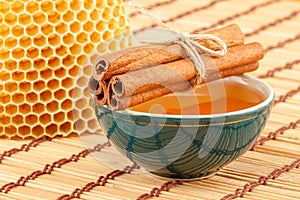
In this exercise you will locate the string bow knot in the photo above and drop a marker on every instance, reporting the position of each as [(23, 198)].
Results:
[(188, 41)]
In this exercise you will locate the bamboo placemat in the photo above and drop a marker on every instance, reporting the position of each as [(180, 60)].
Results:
[(63, 168)]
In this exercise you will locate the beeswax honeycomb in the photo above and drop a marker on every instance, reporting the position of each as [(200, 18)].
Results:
[(44, 44)]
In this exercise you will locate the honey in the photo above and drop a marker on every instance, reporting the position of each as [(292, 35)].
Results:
[(218, 98)]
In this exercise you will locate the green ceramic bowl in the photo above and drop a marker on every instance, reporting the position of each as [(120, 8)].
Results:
[(187, 146)]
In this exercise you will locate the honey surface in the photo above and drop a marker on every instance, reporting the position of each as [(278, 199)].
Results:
[(204, 100)]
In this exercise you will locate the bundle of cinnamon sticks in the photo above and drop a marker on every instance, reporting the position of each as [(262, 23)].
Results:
[(132, 76)]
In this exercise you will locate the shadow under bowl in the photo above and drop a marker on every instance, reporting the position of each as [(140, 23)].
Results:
[(187, 146)]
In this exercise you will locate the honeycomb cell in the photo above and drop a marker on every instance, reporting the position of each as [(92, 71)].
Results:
[(17, 30), (53, 84), (66, 104), (47, 6), (60, 94), (18, 120), (61, 50), (4, 75), (25, 41), (110, 3), (82, 81), (10, 19), (107, 13), (24, 131), (11, 87), (81, 60), (40, 63), (18, 76), (39, 40), (95, 37), (54, 40), (24, 19), (47, 52), (65, 127), (1, 109), (32, 7), (82, 38), (80, 104), (32, 97), (11, 109), (46, 74), (17, 7), (82, 16), (18, 53), (45, 119), (46, 96), (59, 117), (88, 5), (47, 29), (61, 28), (75, 27), (88, 48), (10, 42), (51, 129), (24, 108), (38, 108), (32, 30), (54, 17), (4, 7), (68, 39), (75, 49), (60, 73), (31, 119), (18, 98), (117, 11), (88, 27), (4, 120), (67, 82), (32, 75), (75, 5), (10, 130), (4, 30), (68, 61), (68, 16), (101, 26), (54, 62), (25, 86), (32, 53), (61, 6), (25, 64), (4, 54), (37, 131), (95, 15), (39, 85), (52, 106), (10, 65), (39, 18), (87, 113)]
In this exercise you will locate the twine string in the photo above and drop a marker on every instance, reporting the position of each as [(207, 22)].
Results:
[(188, 41)]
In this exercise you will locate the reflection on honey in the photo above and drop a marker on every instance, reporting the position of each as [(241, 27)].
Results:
[(212, 99)]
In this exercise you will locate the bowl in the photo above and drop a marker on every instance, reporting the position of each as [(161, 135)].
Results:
[(187, 146)]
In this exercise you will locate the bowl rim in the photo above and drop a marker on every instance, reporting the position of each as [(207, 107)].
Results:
[(267, 101)]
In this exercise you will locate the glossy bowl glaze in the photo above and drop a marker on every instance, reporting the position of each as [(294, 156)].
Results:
[(187, 146)]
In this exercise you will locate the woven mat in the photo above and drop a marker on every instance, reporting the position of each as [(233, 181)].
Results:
[(63, 168)]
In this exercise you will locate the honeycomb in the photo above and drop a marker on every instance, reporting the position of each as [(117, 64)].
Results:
[(45, 62)]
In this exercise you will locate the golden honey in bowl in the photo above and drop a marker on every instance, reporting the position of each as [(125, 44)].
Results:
[(208, 98)]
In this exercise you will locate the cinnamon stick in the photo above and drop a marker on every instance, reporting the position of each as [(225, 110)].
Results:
[(98, 90), (136, 82), (105, 65), (137, 58), (116, 102), (120, 103)]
